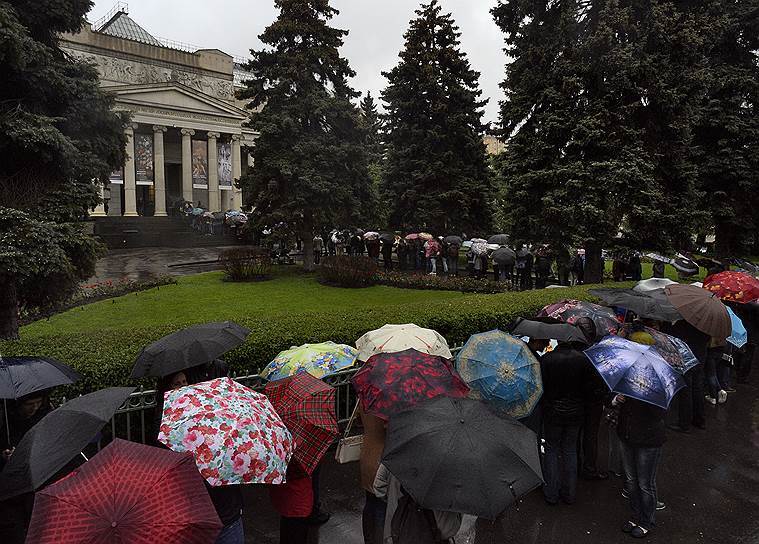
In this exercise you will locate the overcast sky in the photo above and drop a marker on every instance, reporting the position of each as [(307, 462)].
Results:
[(376, 32)]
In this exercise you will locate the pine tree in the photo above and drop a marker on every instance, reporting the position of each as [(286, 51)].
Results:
[(57, 135), (727, 135), (374, 128), (436, 173), (600, 101), (310, 163)]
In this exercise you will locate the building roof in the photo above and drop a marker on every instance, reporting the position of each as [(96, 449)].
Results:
[(123, 26)]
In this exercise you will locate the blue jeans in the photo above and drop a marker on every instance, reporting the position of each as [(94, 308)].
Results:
[(560, 462), (232, 533), (640, 471)]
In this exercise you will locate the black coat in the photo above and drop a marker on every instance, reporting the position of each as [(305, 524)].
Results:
[(568, 383), (697, 341), (641, 424)]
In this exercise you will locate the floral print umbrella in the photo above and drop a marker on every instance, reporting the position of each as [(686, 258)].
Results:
[(319, 360), (234, 433), (391, 382), (673, 350), (569, 311), (734, 286)]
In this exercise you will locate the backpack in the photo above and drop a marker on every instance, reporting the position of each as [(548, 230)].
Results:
[(412, 524), (453, 250)]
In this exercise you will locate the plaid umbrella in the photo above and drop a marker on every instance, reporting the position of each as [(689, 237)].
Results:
[(307, 406), (127, 493), (735, 286), (569, 311), (673, 350), (319, 360), (391, 382), (234, 433)]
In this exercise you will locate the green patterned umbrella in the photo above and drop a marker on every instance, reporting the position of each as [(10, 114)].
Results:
[(319, 360)]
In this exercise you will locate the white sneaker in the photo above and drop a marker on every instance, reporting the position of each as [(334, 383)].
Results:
[(711, 400), (722, 396)]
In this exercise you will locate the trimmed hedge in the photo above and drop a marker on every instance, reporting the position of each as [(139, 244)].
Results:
[(105, 359), (465, 284)]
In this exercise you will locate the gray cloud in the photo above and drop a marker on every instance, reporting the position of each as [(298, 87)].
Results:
[(376, 32)]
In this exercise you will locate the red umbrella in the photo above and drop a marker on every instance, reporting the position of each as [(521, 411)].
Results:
[(307, 407), (735, 286), (127, 493), (391, 382)]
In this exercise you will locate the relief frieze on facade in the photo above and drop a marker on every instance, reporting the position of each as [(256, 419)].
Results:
[(129, 72)]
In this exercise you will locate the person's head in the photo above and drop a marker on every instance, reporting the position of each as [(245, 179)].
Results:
[(588, 328), (177, 380), (538, 345), (30, 404)]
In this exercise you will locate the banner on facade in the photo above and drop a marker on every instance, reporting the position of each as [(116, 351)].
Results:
[(116, 177), (143, 159), (200, 164), (225, 165)]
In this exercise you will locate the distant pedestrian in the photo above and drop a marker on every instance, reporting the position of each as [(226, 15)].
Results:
[(452, 256), (432, 252), (542, 269), (387, 255), (318, 248)]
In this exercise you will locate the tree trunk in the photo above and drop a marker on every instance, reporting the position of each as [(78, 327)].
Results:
[(723, 245), (308, 251), (593, 266), (8, 310)]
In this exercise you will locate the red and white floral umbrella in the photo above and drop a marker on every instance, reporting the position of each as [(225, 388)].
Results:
[(234, 433)]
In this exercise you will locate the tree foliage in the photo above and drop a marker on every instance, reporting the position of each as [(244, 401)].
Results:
[(310, 162), (58, 138), (436, 173)]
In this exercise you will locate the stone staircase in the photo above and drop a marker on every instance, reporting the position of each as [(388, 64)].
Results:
[(136, 232)]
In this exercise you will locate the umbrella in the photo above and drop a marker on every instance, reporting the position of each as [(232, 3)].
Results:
[(425, 236), (635, 370), (561, 332), (57, 438), (453, 240), (307, 407), (643, 304), (503, 370), (734, 286), (234, 433), (193, 346), (652, 284), (394, 338), (391, 382), (673, 350), (456, 455), (701, 308), (504, 256), (478, 241), (319, 360), (412, 236), (569, 311), (500, 239), (371, 235), (739, 336), (479, 248), (127, 493), (387, 237), (685, 266)]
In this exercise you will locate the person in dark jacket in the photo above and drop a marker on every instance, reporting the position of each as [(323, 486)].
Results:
[(690, 399), (641, 432), (542, 269), (387, 254), (566, 375)]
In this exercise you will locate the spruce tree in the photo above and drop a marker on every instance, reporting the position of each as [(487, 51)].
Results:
[(601, 97), (58, 139), (310, 163), (436, 173), (374, 127)]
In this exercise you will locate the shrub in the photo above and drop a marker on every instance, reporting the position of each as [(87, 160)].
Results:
[(246, 264), (347, 271), (465, 284)]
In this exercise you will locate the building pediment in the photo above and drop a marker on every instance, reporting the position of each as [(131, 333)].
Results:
[(174, 97)]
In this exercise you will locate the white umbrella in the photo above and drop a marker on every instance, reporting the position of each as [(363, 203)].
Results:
[(646, 286), (395, 338)]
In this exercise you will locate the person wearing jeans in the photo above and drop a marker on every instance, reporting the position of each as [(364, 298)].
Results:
[(641, 431), (560, 462)]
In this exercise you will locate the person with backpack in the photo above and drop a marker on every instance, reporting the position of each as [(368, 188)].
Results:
[(452, 257)]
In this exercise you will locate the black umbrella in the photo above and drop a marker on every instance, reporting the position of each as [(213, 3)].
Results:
[(453, 240), (504, 256), (500, 239), (59, 437), (685, 266), (456, 455), (541, 330), (651, 305), (193, 346), (387, 237)]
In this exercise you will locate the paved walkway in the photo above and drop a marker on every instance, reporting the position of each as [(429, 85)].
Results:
[(709, 480)]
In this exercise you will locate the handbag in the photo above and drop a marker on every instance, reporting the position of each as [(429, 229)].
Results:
[(349, 447)]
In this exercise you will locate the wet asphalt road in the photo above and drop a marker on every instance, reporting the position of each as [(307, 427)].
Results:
[(708, 479)]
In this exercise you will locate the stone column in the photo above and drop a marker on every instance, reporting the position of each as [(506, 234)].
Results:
[(187, 134), (159, 172), (130, 186), (214, 200), (99, 210), (236, 171)]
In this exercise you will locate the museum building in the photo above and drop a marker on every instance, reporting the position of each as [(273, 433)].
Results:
[(186, 140)]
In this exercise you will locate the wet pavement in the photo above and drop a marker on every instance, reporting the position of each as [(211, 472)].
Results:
[(708, 479), (146, 263)]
